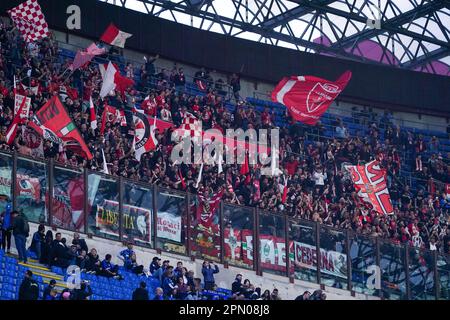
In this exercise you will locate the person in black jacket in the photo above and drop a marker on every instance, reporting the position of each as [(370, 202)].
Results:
[(93, 263), (80, 243), (49, 288), (141, 293), (236, 286), (83, 293), (46, 246), (305, 296), (29, 289)]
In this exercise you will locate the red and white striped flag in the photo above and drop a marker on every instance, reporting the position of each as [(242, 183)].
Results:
[(12, 130), (114, 36), (93, 116), (30, 21)]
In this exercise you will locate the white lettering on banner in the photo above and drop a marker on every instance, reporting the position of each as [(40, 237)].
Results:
[(169, 226), (26, 108), (331, 262)]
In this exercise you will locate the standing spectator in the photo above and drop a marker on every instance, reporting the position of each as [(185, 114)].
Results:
[(208, 274), (235, 83), (46, 247), (38, 239), (21, 230), (6, 228), (141, 293), (168, 284), (29, 289)]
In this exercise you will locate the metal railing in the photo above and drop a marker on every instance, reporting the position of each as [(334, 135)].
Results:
[(168, 220)]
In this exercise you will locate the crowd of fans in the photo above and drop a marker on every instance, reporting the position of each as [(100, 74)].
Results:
[(175, 283), (318, 187)]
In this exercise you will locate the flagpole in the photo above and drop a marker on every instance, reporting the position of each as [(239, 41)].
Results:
[(199, 176)]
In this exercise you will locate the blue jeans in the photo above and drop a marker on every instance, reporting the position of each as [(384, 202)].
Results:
[(20, 245)]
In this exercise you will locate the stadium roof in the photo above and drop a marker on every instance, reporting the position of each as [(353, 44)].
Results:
[(412, 34)]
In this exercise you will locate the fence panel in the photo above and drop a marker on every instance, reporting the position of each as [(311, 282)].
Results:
[(272, 243), (303, 250)]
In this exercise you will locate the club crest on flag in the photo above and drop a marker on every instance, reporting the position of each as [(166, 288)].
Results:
[(320, 94)]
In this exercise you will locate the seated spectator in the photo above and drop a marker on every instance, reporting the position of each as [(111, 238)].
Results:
[(60, 254), (266, 295), (141, 293), (181, 289), (274, 295), (133, 266), (305, 296), (208, 274), (82, 260), (48, 288), (51, 295), (160, 271), (46, 247), (236, 287), (79, 242), (178, 271), (159, 294), (110, 270), (93, 263)]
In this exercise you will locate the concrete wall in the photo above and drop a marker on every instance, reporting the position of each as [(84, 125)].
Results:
[(288, 291)]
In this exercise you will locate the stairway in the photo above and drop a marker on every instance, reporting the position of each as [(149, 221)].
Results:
[(40, 270)]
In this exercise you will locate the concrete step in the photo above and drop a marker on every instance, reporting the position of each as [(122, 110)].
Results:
[(49, 275), (35, 266)]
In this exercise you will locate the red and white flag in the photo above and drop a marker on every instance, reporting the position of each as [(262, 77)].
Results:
[(34, 89), (113, 80), (12, 130), (29, 20), (92, 115), (370, 183), (207, 206), (308, 97), (144, 135), (113, 115), (84, 57), (114, 36), (18, 101), (201, 85), (190, 127)]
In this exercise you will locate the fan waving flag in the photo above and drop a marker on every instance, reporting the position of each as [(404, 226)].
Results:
[(113, 80), (370, 183), (308, 97), (84, 57), (53, 122), (12, 130), (114, 36), (29, 20), (144, 135), (92, 115), (207, 206)]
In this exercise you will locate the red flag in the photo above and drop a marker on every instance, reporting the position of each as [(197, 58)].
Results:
[(308, 97), (183, 183), (244, 167), (207, 207), (12, 130), (370, 183), (53, 122), (113, 80), (201, 85), (114, 36)]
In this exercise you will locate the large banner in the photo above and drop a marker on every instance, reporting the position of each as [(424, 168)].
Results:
[(331, 262), (136, 221), (169, 226), (238, 247)]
